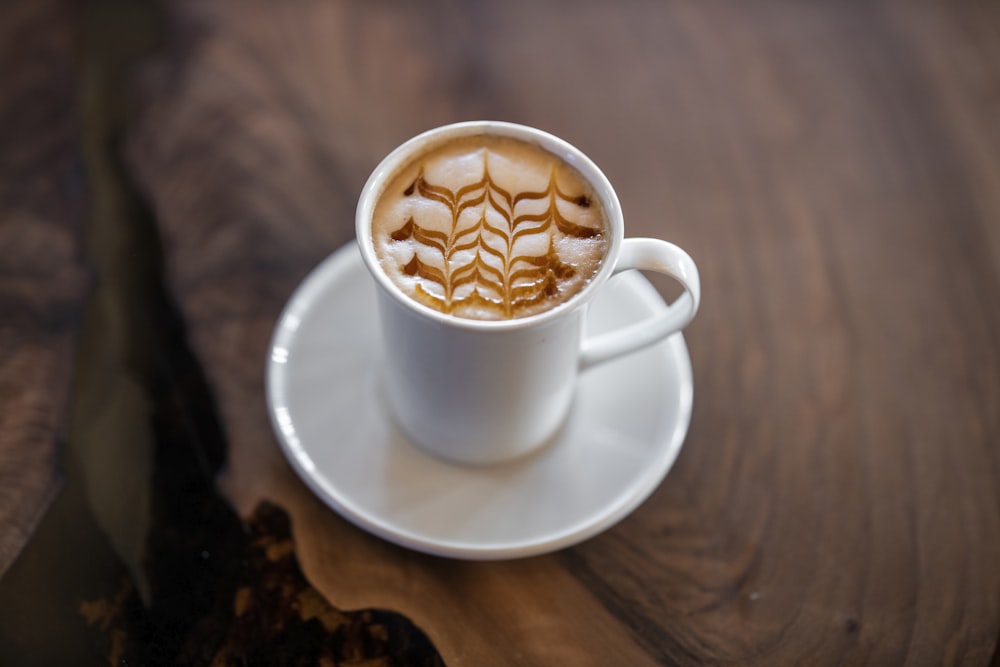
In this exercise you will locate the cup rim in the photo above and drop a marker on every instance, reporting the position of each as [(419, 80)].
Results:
[(399, 157)]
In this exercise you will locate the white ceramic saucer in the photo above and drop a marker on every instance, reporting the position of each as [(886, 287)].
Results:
[(626, 427)]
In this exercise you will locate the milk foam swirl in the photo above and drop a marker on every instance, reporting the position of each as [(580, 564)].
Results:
[(490, 230)]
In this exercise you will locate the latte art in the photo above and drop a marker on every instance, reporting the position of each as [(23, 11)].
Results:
[(489, 228)]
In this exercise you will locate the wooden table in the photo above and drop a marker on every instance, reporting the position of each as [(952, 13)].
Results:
[(172, 171)]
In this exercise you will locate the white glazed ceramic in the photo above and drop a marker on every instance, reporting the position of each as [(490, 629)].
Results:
[(622, 435), (482, 392)]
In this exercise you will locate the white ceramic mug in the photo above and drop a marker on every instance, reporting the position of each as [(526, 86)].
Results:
[(487, 391)]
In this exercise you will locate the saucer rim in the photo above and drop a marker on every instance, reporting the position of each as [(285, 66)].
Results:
[(341, 262)]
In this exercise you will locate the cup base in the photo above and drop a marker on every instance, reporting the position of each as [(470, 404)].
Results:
[(463, 456), (465, 450)]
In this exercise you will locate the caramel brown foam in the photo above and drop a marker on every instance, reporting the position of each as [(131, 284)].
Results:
[(489, 228)]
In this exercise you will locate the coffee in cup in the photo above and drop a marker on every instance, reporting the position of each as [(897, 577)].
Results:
[(489, 227), (488, 241)]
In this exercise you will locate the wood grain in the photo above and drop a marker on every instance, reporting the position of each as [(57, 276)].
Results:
[(835, 172), (42, 279)]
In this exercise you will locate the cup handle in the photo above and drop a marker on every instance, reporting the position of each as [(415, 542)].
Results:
[(648, 255)]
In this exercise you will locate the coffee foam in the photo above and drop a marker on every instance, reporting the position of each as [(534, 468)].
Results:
[(489, 227)]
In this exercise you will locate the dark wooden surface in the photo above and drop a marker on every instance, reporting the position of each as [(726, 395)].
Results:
[(42, 278), (835, 171)]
